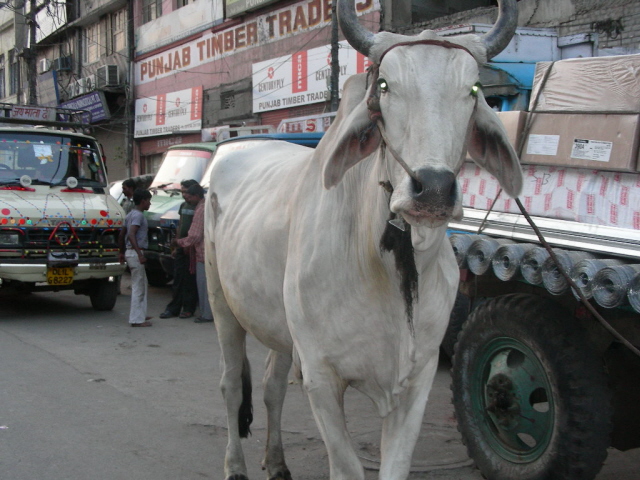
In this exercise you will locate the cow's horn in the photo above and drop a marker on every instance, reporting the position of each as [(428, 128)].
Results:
[(358, 37), (500, 35)]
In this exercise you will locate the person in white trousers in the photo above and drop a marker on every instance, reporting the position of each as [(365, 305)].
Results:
[(137, 240)]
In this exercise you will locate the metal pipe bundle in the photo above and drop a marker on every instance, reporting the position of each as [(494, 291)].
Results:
[(633, 293), (461, 243), (508, 258), (584, 272), (610, 284), (552, 279), (481, 252)]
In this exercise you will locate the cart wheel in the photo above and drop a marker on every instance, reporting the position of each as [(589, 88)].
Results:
[(530, 396)]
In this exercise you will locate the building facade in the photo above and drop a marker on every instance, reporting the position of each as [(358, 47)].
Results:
[(155, 73)]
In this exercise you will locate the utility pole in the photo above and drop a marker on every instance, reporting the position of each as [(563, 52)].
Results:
[(335, 63), (30, 55)]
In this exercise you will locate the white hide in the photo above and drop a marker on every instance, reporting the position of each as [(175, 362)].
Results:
[(301, 268)]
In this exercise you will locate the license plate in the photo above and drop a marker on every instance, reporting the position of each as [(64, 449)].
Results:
[(60, 275)]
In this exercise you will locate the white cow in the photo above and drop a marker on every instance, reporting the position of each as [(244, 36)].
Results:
[(301, 254)]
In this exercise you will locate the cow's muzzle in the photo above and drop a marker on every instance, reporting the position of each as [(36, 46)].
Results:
[(432, 197)]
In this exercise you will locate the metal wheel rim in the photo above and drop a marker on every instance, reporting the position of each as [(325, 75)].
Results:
[(512, 398)]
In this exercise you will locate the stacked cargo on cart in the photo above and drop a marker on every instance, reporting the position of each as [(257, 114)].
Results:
[(543, 382)]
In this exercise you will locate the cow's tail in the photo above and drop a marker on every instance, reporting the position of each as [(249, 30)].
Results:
[(245, 415)]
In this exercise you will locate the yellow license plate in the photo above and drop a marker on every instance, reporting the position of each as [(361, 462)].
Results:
[(60, 275)]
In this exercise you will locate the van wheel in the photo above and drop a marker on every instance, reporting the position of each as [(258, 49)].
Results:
[(530, 395), (103, 295), (157, 278)]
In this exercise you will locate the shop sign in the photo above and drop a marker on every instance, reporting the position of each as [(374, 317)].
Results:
[(309, 124), (94, 103), (169, 113), (273, 26), (302, 78)]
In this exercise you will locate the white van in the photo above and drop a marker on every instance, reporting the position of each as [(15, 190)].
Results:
[(59, 226)]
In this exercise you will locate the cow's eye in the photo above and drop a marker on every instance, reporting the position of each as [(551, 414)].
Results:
[(383, 85), (475, 89)]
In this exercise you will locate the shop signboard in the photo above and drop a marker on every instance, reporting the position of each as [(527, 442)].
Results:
[(302, 78), (169, 113)]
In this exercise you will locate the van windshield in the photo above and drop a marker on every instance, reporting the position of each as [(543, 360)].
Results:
[(179, 165), (49, 159)]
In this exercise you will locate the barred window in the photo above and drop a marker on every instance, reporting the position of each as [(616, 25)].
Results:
[(227, 101)]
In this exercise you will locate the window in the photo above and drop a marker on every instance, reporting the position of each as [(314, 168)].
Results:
[(151, 9), (227, 101), (14, 73), (3, 92), (117, 41), (184, 3), (91, 43)]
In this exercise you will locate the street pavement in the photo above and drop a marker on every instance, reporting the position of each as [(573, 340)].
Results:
[(85, 397)]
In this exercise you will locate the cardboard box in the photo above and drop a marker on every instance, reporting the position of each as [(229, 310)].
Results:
[(593, 84), (514, 123), (595, 141)]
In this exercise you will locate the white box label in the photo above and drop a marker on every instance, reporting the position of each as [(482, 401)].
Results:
[(595, 150), (543, 144)]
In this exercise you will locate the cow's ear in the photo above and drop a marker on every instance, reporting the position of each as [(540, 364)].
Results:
[(490, 148), (352, 136)]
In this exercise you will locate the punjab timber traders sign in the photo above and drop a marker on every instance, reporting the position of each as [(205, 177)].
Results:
[(302, 78), (273, 26), (169, 113)]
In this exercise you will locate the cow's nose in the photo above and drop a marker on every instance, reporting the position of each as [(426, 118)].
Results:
[(434, 186)]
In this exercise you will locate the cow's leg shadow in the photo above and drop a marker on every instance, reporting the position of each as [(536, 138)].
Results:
[(326, 395), (275, 389), (400, 429)]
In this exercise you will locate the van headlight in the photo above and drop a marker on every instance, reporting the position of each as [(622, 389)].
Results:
[(10, 238)]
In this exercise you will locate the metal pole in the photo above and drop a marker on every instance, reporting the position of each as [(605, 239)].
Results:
[(335, 63), (32, 71)]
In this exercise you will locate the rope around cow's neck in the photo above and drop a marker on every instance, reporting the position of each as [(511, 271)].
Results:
[(394, 153)]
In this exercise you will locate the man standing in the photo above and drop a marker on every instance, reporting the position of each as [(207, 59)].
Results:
[(185, 294), (137, 240), (128, 187), (195, 240)]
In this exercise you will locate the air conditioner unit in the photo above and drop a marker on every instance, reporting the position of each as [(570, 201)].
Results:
[(44, 64), (107, 76), (62, 63), (90, 83), (81, 86), (74, 89)]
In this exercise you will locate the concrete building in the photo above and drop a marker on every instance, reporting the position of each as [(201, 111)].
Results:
[(156, 73)]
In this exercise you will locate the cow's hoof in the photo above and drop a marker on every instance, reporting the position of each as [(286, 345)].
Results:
[(238, 476), (286, 475)]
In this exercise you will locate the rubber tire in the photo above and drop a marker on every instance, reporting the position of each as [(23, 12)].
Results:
[(157, 278), (579, 401), (103, 295), (459, 314)]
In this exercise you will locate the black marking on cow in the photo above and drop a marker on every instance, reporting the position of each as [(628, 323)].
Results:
[(399, 243)]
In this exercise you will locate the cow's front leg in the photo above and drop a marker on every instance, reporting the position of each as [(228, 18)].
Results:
[(326, 394), (275, 388), (400, 429)]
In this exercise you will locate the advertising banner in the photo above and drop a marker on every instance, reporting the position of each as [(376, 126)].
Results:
[(302, 78), (276, 25), (169, 113)]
